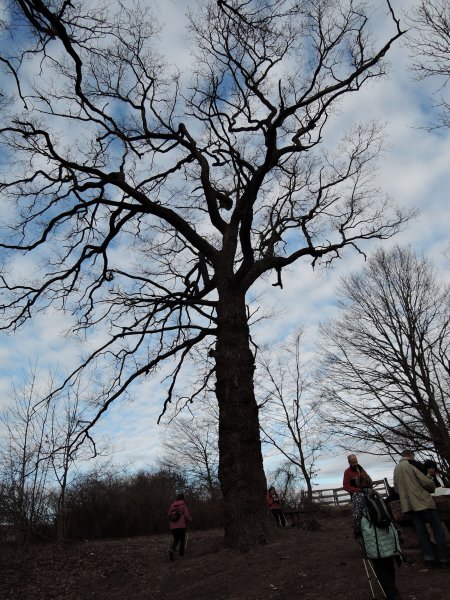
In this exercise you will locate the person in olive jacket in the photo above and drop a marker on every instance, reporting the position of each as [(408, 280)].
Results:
[(415, 489)]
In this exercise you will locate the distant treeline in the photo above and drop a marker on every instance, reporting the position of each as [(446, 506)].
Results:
[(104, 504)]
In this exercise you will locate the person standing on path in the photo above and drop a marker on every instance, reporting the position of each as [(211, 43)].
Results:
[(380, 545), (274, 504), (415, 489), (178, 515), (349, 481)]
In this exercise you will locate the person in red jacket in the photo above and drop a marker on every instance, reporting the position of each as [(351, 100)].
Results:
[(350, 480), (274, 504), (178, 514)]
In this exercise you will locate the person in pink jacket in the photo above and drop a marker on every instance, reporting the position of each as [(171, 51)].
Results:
[(178, 514)]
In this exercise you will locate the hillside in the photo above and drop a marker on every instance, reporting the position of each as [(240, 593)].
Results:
[(319, 560)]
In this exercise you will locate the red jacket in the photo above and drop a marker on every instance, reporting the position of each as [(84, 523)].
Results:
[(273, 501), (351, 473), (185, 515)]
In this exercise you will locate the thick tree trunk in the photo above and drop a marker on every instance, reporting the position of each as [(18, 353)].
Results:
[(241, 472)]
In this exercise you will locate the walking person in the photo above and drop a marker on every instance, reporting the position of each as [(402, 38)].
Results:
[(380, 544), (415, 489), (178, 516), (274, 504)]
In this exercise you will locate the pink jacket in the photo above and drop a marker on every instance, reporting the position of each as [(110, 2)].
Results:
[(185, 515)]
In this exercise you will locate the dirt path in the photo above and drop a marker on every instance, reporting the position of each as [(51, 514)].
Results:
[(301, 564)]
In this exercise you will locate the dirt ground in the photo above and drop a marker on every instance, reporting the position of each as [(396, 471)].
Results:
[(302, 563)]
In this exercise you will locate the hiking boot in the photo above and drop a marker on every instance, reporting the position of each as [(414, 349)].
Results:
[(431, 564), (171, 556)]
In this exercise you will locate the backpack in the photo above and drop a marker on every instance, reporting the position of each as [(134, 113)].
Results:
[(377, 511), (174, 514)]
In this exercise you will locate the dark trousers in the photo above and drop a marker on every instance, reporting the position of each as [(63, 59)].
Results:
[(420, 519), (179, 538), (385, 572), (279, 517)]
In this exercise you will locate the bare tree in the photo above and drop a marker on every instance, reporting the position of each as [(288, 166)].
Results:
[(429, 42), (386, 358), (286, 479), (23, 446), (64, 455), (191, 445), (156, 202), (289, 414), (37, 450)]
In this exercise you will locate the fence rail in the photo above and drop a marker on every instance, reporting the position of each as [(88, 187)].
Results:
[(339, 496)]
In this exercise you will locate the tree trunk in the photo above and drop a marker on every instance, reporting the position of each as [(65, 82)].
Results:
[(241, 472), (61, 519), (309, 490)]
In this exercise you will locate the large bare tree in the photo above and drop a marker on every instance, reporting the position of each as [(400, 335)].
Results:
[(386, 358), (155, 200)]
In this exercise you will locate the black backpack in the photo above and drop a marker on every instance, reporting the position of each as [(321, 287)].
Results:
[(174, 514), (377, 510)]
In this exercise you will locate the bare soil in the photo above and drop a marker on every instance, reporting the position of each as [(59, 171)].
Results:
[(317, 559)]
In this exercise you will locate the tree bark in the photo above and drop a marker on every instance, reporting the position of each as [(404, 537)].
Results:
[(241, 472)]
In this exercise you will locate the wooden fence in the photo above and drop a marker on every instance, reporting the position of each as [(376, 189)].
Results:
[(339, 496), (331, 497)]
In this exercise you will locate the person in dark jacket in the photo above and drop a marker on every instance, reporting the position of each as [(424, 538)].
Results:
[(178, 514), (380, 545), (430, 469), (274, 504), (349, 481)]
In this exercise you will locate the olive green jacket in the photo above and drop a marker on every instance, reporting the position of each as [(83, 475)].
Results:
[(413, 487)]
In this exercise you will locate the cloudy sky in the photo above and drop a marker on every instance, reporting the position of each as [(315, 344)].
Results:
[(414, 172)]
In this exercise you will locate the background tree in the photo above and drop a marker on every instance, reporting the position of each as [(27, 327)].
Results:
[(429, 43), (289, 414), (23, 449), (37, 454), (386, 358), (192, 445), (286, 479), (156, 200), (64, 456)]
